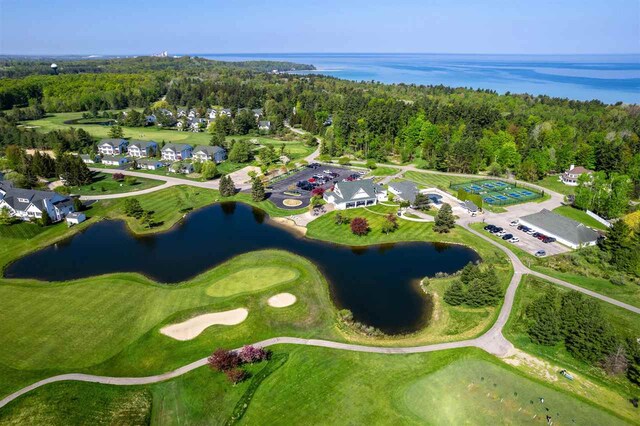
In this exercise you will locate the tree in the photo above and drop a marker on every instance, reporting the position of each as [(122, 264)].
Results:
[(444, 220), (132, 208), (359, 226), (146, 219), (77, 204), (545, 327), (45, 220), (250, 354), (209, 170), (455, 294), (118, 177), (6, 218), (244, 122), (240, 152), (227, 188), (223, 360), (268, 155), (390, 223), (257, 190), (116, 132), (421, 202), (340, 219), (616, 362)]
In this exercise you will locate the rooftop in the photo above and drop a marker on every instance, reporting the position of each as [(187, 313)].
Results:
[(565, 228)]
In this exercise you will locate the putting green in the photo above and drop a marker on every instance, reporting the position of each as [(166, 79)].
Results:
[(252, 279), (489, 394)]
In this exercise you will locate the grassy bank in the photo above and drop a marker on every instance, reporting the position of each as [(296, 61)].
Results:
[(580, 216), (103, 183)]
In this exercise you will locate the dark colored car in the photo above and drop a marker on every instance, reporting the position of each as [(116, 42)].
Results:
[(507, 237), (488, 227), (548, 240), (496, 229)]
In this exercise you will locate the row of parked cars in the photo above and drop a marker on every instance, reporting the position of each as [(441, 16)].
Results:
[(319, 179), (500, 232), (545, 239)]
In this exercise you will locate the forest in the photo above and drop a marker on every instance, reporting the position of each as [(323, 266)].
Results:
[(435, 127)]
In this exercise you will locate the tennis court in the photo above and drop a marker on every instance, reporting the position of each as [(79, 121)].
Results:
[(497, 192)]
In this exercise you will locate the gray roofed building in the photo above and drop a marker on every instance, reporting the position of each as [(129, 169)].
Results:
[(356, 193), (264, 125), (111, 146), (405, 190), (566, 231), (470, 206), (30, 204)]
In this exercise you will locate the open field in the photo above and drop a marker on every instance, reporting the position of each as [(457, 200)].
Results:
[(433, 180), (103, 183), (318, 386), (591, 383), (554, 184), (580, 216)]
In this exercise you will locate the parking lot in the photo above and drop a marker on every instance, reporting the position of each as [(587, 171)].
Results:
[(527, 242), (289, 184)]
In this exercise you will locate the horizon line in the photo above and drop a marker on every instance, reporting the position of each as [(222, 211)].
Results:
[(312, 53)]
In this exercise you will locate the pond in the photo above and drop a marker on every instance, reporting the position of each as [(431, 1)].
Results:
[(379, 284)]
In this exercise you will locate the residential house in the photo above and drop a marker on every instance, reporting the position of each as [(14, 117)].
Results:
[(213, 153), (142, 148), (111, 160), (181, 112), (564, 230), (570, 176), (149, 164), (197, 124), (90, 159), (264, 125), (405, 190), (192, 114), (358, 193), (181, 167), (112, 146), (29, 204), (257, 113), (175, 152), (212, 113), (226, 112), (151, 119), (75, 218)]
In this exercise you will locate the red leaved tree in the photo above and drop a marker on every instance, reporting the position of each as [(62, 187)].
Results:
[(223, 360), (236, 375), (359, 226), (250, 354), (317, 191), (118, 177)]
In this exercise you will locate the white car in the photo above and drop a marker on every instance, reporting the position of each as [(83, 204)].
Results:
[(514, 222), (531, 231), (327, 171), (501, 233), (514, 240)]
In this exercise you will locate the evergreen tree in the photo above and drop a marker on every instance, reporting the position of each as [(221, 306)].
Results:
[(469, 272), (133, 208), (455, 294), (544, 312), (444, 220), (257, 190), (421, 202), (45, 220), (116, 132)]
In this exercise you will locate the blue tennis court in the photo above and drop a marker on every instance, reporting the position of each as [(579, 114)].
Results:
[(497, 192)]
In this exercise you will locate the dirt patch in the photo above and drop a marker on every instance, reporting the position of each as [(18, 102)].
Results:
[(290, 225), (49, 152), (282, 300), (191, 328), (542, 368)]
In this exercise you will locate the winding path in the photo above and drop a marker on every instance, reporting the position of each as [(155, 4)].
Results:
[(492, 341)]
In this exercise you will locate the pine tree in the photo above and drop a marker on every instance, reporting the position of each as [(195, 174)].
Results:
[(421, 202), (455, 294), (545, 326), (257, 190), (469, 272), (444, 221)]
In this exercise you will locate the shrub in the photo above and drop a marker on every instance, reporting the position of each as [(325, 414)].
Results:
[(359, 226), (118, 177), (371, 164), (319, 191), (340, 219), (343, 161), (129, 180), (250, 354), (223, 360), (236, 375)]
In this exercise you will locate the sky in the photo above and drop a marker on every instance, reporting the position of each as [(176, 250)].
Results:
[(131, 27)]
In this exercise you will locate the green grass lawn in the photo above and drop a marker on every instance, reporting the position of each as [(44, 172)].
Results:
[(322, 386), (591, 383), (554, 184), (103, 183), (579, 216), (433, 180), (383, 171)]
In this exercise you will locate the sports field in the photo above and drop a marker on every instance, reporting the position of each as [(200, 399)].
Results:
[(497, 192)]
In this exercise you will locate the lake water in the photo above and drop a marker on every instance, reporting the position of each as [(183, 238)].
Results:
[(377, 283), (609, 78)]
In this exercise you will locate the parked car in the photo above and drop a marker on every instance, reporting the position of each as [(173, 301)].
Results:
[(327, 172), (514, 240), (514, 222), (489, 227), (548, 240), (495, 230), (531, 232), (501, 233), (540, 253), (507, 237)]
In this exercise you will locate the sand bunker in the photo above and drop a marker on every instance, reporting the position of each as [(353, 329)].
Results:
[(291, 202), (282, 300), (191, 328)]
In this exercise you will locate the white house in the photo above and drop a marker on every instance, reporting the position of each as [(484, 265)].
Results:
[(110, 160), (213, 153), (198, 124), (358, 193), (149, 164), (564, 230), (257, 113), (28, 204), (181, 113), (212, 113), (75, 218), (175, 152), (226, 112), (264, 125), (140, 149), (570, 177), (90, 159), (112, 146), (181, 167), (192, 114), (404, 190)]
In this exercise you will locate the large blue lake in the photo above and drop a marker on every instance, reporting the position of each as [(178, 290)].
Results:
[(609, 78)]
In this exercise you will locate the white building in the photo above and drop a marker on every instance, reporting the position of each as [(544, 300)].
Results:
[(75, 218), (359, 193), (140, 149), (570, 177), (110, 160), (564, 230), (213, 153), (112, 146), (176, 152), (149, 164), (28, 204)]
